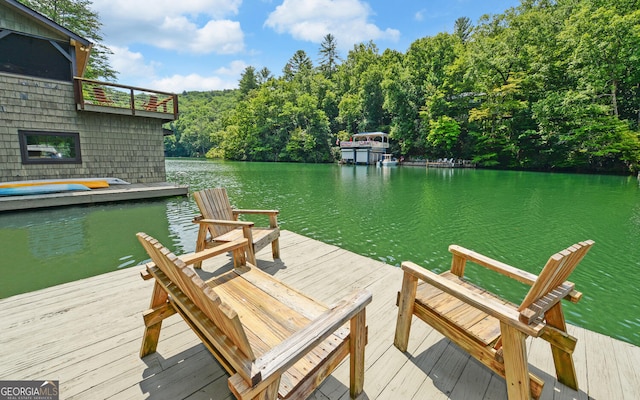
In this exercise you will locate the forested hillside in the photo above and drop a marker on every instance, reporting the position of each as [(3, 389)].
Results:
[(550, 85)]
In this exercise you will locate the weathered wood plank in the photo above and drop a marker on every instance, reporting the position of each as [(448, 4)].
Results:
[(602, 367), (627, 358), (424, 349), (473, 382)]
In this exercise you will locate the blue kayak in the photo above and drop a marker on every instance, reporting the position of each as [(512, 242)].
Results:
[(42, 189)]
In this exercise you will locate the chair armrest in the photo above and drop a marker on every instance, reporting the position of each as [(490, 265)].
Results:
[(193, 258), (288, 352), (273, 215), (223, 222), (267, 212), (495, 265), (503, 312)]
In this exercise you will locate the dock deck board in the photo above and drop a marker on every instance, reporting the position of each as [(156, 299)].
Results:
[(86, 334)]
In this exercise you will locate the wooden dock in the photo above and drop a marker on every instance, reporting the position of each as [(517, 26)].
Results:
[(86, 334), (450, 163), (136, 191)]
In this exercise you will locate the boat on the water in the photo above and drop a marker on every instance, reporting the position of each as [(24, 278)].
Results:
[(42, 189), (388, 161)]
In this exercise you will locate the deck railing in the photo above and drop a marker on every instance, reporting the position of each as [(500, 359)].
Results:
[(120, 99), (364, 143)]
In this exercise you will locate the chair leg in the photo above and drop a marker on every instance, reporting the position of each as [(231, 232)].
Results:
[(251, 255), (563, 360), (406, 299), (270, 392), (357, 342), (239, 258), (275, 245), (516, 366), (201, 243), (275, 248), (152, 332)]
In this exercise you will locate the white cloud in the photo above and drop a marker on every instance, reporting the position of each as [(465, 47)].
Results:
[(419, 16), (153, 10), (130, 63), (221, 36), (180, 83), (135, 70), (234, 69), (226, 77), (195, 26), (311, 20)]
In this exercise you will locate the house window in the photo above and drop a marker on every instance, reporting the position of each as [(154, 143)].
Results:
[(50, 147)]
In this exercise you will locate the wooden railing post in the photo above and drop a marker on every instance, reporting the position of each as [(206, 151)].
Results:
[(77, 86), (132, 102)]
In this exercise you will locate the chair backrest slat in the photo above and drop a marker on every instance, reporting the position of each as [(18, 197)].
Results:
[(556, 272), (201, 295), (214, 204)]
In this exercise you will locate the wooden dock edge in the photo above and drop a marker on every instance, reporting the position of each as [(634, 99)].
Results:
[(114, 193)]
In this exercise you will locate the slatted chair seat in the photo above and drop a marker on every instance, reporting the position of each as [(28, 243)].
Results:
[(480, 325), (489, 328), (218, 224), (274, 341), (261, 236)]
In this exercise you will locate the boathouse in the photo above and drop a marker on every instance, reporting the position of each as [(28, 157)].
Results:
[(54, 123), (364, 148)]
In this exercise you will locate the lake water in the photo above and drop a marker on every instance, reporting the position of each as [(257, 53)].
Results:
[(389, 214)]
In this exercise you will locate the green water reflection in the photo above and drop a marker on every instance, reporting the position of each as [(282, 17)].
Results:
[(390, 214), (48, 247)]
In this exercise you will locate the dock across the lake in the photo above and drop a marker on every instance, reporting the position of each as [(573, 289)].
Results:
[(86, 335), (136, 191), (450, 163)]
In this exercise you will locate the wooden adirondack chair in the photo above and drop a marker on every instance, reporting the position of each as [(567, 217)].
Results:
[(219, 224), (152, 104), (491, 329), (100, 96), (274, 341)]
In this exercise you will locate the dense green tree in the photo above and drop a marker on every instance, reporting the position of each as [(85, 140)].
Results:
[(329, 57), (402, 103), (462, 28), (248, 81), (298, 63), (604, 49), (201, 116), (359, 81), (433, 72), (549, 85), (443, 135), (264, 75)]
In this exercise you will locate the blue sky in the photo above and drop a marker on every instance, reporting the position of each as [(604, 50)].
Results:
[(177, 45)]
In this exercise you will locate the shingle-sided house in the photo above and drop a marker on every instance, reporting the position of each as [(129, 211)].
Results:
[(56, 124)]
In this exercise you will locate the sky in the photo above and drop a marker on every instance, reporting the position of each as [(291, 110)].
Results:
[(187, 45)]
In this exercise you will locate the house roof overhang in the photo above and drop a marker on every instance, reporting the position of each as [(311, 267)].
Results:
[(81, 45)]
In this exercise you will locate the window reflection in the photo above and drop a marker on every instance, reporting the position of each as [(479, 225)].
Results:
[(49, 147)]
